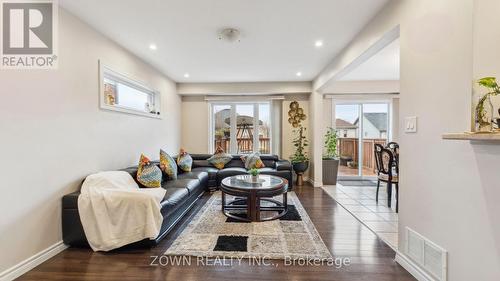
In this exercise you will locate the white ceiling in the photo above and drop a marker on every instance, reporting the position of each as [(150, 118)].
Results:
[(382, 66), (277, 36)]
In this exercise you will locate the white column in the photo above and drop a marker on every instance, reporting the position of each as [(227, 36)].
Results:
[(316, 141)]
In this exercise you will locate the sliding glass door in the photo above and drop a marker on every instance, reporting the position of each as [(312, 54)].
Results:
[(241, 128), (359, 127)]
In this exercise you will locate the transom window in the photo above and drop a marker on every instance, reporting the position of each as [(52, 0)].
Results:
[(240, 128), (120, 93)]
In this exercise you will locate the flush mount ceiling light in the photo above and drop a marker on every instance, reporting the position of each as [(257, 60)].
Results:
[(186, 75), (318, 43), (298, 74), (153, 47), (230, 35)]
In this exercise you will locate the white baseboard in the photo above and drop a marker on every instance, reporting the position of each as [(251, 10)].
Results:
[(31, 262), (412, 268), (315, 184)]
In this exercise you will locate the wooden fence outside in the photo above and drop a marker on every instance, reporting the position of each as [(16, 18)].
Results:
[(348, 147)]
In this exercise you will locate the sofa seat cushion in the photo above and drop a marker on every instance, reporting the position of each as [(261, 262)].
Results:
[(174, 197), (194, 174), (191, 185), (228, 172)]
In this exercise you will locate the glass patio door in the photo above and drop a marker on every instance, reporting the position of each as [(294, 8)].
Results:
[(359, 127)]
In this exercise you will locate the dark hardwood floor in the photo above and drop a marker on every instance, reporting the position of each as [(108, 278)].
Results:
[(371, 259)]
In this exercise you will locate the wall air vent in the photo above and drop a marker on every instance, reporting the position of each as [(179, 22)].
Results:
[(428, 255)]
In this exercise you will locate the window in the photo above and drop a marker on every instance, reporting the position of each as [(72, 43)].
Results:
[(120, 93), (240, 128)]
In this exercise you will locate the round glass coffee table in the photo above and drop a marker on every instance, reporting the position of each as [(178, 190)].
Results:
[(250, 193)]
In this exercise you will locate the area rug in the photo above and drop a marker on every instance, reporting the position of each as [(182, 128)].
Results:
[(212, 234)]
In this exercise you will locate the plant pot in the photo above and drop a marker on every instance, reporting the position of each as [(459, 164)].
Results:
[(300, 168), (330, 171)]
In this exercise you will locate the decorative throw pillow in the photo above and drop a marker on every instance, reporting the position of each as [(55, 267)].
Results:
[(220, 158), (168, 165), (252, 161), (184, 161), (148, 174)]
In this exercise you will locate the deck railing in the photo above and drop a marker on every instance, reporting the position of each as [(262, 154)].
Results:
[(245, 145), (348, 147)]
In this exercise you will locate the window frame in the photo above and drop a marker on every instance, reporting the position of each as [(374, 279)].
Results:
[(106, 72), (233, 148)]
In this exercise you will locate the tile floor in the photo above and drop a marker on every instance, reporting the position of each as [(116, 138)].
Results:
[(360, 201)]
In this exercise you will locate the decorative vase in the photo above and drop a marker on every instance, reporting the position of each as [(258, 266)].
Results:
[(484, 115), (255, 178)]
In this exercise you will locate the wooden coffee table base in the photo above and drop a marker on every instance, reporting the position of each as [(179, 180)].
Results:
[(252, 205)]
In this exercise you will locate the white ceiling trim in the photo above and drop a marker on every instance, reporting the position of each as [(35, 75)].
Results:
[(256, 88), (363, 87)]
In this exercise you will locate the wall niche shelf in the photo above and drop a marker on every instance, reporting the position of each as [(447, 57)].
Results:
[(472, 136)]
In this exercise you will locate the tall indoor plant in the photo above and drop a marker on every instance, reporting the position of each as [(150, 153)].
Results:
[(300, 161), (330, 158)]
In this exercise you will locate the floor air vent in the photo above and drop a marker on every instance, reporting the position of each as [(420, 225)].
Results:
[(426, 254)]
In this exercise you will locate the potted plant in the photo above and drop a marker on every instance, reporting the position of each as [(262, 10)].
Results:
[(255, 174), (300, 161), (484, 108), (330, 158)]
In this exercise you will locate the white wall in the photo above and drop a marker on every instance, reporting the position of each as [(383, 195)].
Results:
[(449, 189), (195, 134), (53, 134)]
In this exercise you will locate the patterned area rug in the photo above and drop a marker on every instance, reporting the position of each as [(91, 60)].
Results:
[(212, 234)]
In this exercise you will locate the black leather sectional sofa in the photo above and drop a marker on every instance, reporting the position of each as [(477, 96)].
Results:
[(181, 194)]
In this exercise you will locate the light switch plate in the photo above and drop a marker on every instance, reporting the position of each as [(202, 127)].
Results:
[(411, 124)]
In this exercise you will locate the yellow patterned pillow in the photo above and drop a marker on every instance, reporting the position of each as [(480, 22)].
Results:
[(220, 159), (168, 165), (148, 174), (184, 161), (252, 161)]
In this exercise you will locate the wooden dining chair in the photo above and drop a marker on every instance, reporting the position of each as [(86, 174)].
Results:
[(394, 147), (384, 160)]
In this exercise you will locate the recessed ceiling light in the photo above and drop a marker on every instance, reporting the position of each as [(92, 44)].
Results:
[(153, 47), (298, 73), (186, 75), (318, 43)]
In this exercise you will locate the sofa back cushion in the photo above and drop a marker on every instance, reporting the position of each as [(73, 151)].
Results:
[(200, 160)]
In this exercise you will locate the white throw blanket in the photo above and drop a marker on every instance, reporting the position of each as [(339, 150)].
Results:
[(115, 212)]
